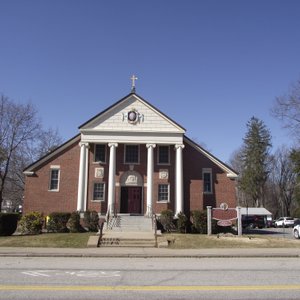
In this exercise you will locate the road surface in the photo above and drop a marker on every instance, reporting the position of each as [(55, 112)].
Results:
[(149, 278)]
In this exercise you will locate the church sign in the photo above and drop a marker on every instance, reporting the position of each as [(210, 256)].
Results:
[(224, 215)]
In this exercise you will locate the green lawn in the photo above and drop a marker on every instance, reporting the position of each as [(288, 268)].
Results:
[(196, 241), (176, 241), (56, 240)]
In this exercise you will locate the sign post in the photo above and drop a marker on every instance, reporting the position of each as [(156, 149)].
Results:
[(239, 216), (208, 220)]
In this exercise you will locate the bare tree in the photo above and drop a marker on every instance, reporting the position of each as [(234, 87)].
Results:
[(18, 125), (22, 140), (284, 180), (287, 109)]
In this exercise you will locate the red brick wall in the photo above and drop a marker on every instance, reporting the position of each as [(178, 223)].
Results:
[(223, 188), (38, 198)]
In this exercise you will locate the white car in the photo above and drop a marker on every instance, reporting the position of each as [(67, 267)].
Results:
[(296, 231), (284, 222)]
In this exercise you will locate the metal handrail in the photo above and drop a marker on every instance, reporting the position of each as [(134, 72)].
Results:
[(100, 226), (110, 215), (107, 216), (155, 229)]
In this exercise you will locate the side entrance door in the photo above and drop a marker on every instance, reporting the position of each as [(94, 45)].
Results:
[(131, 200)]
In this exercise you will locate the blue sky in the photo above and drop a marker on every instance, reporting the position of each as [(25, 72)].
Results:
[(209, 65)]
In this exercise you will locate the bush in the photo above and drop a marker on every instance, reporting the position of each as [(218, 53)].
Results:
[(199, 221), (182, 222), (57, 222), (32, 223), (74, 223), (8, 223), (91, 220), (166, 220)]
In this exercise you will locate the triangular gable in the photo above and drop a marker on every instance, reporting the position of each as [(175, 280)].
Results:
[(230, 172), (116, 119)]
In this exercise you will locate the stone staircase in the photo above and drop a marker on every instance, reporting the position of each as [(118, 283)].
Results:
[(128, 231), (128, 223)]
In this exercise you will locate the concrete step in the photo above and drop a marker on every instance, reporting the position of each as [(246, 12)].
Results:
[(127, 239), (127, 243)]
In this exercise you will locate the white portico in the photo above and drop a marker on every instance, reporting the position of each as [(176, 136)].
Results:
[(130, 121)]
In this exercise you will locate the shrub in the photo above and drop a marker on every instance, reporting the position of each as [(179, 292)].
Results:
[(182, 222), (91, 220), (8, 223), (57, 222), (199, 221), (32, 223), (166, 220), (74, 223)]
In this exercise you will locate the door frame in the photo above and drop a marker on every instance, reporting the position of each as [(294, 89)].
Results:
[(132, 179)]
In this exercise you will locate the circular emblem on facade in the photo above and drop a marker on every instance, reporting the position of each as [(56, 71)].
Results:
[(224, 206), (132, 116)]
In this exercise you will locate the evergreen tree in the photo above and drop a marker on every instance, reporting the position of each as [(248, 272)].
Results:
[(255, 156)]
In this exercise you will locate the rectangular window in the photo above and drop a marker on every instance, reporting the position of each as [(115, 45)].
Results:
[(100, 151), (98, 193), (163, 192), (207, 181), (131, 154), (163, 154), (54, 180)]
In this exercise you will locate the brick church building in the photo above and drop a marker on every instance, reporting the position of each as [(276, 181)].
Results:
[(131, 158)]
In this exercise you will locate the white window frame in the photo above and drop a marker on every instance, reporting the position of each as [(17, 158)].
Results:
[(163, 201), (207, 171), (99, 161), (104, 185), (54, 168), (125, 149), (169, 159)]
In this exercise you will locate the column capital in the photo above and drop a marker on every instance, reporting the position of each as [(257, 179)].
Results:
[(112, 145), (150, 145), (83, 144), (177, 146)]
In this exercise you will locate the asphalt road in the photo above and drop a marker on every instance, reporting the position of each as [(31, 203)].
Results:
[(149, 278), (286, 233)]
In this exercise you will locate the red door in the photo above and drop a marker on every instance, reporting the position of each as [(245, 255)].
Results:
[(134, 200)]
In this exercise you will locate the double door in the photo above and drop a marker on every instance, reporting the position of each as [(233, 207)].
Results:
[(131, 200)]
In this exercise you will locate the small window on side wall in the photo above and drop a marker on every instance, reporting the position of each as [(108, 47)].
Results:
[(98, 193), (54, 179), (163, 193), (207, 181), (100, 153)]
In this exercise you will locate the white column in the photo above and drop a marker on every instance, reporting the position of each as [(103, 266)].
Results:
[(179, 180), (150, 169), (82, 180), (111, 177)]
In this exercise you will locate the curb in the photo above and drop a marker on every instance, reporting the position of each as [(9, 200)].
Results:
[(222, 254)]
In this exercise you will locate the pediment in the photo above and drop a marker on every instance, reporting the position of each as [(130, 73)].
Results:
[(132, 114)]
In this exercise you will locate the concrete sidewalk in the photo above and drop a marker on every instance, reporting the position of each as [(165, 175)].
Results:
[(148, 252)]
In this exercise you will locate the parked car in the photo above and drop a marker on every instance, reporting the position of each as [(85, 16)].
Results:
[(284, 222), (253, 221), (296, 231)]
